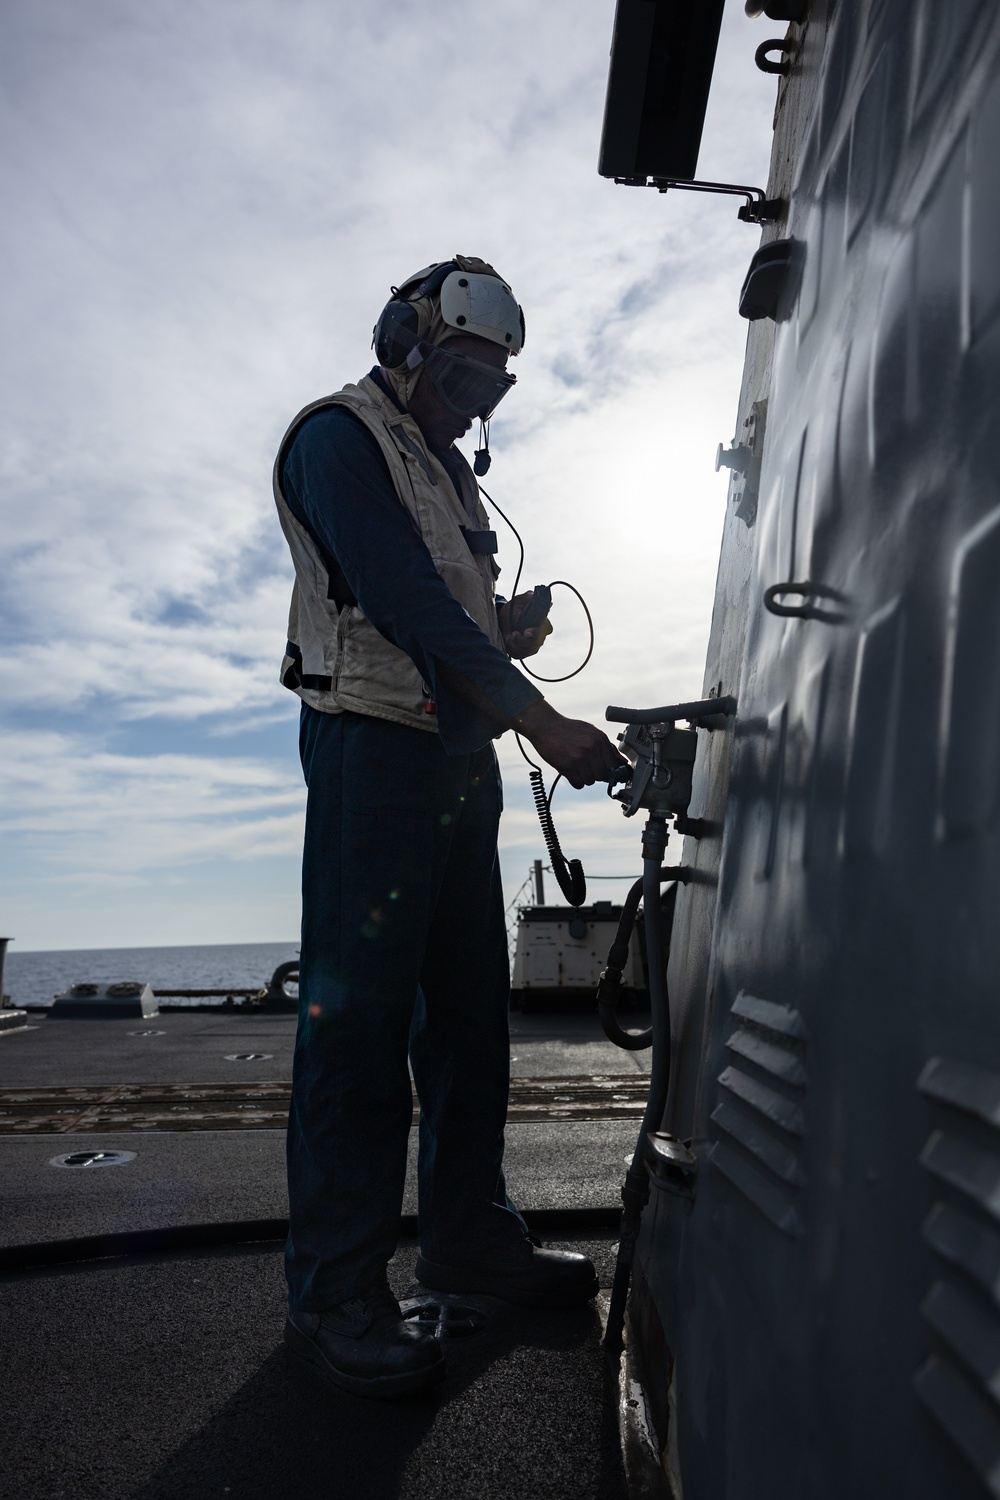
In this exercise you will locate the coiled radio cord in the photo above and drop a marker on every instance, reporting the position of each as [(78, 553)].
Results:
[(568, 872)]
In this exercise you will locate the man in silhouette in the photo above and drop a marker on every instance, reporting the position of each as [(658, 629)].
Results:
[(400, 652)]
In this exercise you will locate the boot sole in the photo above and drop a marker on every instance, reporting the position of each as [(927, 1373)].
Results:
[(467, 1280), (380, 1387)]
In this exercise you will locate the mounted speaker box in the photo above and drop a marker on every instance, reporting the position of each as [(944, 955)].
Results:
[(662, 57), (772, 282), (777, 10)]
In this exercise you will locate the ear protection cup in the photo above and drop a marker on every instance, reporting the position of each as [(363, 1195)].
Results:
[(398, 328), (396, 333)]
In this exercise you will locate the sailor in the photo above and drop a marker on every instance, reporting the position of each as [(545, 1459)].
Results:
[(400, 652)]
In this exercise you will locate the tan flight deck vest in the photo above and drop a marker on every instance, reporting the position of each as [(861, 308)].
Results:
[(335, 659)]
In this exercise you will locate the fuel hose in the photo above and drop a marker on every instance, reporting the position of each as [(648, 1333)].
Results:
[(635, 1188), (610, 983)]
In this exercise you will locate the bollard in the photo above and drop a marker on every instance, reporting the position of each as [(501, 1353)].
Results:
[(10, 1019), (274, 996)]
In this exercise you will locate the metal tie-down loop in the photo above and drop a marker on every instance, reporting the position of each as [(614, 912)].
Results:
[(807, 591), (767, 64)]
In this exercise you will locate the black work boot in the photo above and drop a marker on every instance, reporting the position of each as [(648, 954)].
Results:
[(362, 1345), (526, 1273)]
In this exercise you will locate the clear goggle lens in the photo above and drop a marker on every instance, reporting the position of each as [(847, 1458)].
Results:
[(466, 386)]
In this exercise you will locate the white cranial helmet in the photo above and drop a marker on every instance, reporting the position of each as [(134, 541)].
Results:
[(484, 305)]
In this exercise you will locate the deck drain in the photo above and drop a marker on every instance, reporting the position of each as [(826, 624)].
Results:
[(446, 1316), (147, 1033), (249, 1056), (93, 1159)]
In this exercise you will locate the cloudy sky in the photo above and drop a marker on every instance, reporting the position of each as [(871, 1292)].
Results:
[(205, 205)]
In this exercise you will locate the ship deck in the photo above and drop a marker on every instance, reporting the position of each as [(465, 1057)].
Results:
[(143, 1355)]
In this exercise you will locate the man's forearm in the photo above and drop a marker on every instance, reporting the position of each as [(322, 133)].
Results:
[(580, 751), (519, 698)]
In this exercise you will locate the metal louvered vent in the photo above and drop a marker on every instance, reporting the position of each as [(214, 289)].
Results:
[(760, 1113), (960, 1382)]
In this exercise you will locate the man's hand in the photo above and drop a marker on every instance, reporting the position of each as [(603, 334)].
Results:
[(581, 751), (518, 643)]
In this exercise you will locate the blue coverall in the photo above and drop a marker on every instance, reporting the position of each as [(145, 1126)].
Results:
[(403, 941)]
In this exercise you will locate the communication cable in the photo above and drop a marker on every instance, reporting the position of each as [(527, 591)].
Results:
[(556, 583), (569, 874)]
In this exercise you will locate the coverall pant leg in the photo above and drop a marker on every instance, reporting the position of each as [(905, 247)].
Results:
[(403, 951)]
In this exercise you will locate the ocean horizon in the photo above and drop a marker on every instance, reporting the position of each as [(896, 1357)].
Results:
[(32, 979)]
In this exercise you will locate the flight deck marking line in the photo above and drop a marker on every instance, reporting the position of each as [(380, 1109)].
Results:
[(264, 1106)]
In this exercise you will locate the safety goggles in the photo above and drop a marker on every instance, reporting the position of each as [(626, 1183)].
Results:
[(467, 387)]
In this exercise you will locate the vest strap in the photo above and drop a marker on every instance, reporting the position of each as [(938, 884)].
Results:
[(480, 542), (293, 677)]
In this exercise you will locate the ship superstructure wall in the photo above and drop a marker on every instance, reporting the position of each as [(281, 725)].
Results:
[(821, 1317)]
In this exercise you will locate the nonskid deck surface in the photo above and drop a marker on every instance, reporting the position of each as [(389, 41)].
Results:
[(166, 1376), (167, 1380), (191, 1047)]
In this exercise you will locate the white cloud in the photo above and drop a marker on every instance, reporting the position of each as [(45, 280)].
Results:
[(210, 203), (129, 814)]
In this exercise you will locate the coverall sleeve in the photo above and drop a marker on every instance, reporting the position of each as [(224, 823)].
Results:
[(337, 483)]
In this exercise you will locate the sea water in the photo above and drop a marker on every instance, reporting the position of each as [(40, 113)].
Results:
[(33, 978)]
